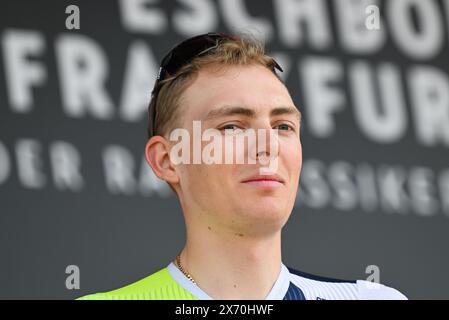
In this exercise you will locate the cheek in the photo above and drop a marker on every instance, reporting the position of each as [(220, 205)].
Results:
[(205, 179), (293, 157), (297, 150)]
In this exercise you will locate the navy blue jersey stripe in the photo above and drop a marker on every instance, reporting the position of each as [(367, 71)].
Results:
[(318, 278), (294, 293)]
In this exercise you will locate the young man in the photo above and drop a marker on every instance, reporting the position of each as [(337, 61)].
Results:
[(234, 212)]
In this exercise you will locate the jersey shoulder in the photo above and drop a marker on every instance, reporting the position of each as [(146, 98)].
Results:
[(375, 291), (157, 286), (317, 287)]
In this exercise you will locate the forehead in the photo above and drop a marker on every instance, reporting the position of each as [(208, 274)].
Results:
[(253, 86)]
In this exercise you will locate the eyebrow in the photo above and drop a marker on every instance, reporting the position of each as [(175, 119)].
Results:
[(250, 113)]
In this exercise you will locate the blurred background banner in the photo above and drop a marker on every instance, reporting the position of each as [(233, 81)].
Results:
[(82, 212)]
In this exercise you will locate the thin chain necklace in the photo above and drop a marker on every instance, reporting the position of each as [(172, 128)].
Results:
[(178, 262)]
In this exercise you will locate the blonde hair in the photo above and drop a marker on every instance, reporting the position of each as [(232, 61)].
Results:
[(242, 50)]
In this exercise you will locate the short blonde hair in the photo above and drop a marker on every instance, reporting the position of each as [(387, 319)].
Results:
[(235, 50)]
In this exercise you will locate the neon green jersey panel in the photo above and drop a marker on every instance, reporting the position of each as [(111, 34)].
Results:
[(157, 286)]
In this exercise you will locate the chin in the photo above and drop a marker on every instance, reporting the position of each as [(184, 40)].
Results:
[(265, 210)]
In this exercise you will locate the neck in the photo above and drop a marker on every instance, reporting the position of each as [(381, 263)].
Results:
[(229, 265)]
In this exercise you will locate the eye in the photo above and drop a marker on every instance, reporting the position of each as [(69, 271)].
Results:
[(229, 126), (285, 126)]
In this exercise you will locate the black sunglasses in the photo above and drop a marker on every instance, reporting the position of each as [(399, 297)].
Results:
[(180, 56)]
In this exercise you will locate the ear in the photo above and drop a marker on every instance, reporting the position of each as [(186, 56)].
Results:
[(157, 154)]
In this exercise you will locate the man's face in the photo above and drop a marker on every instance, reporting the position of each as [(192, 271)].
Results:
[(217, 194)]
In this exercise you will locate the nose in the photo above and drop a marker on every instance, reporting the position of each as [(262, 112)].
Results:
[(267, 145)]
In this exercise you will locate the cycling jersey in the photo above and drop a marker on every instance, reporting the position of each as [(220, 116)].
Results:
[(170, 283)]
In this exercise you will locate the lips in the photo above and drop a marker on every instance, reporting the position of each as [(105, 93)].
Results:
[(264, 184), (273, 177)]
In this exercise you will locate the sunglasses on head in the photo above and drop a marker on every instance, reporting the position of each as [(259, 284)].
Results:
[(180, 56)]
